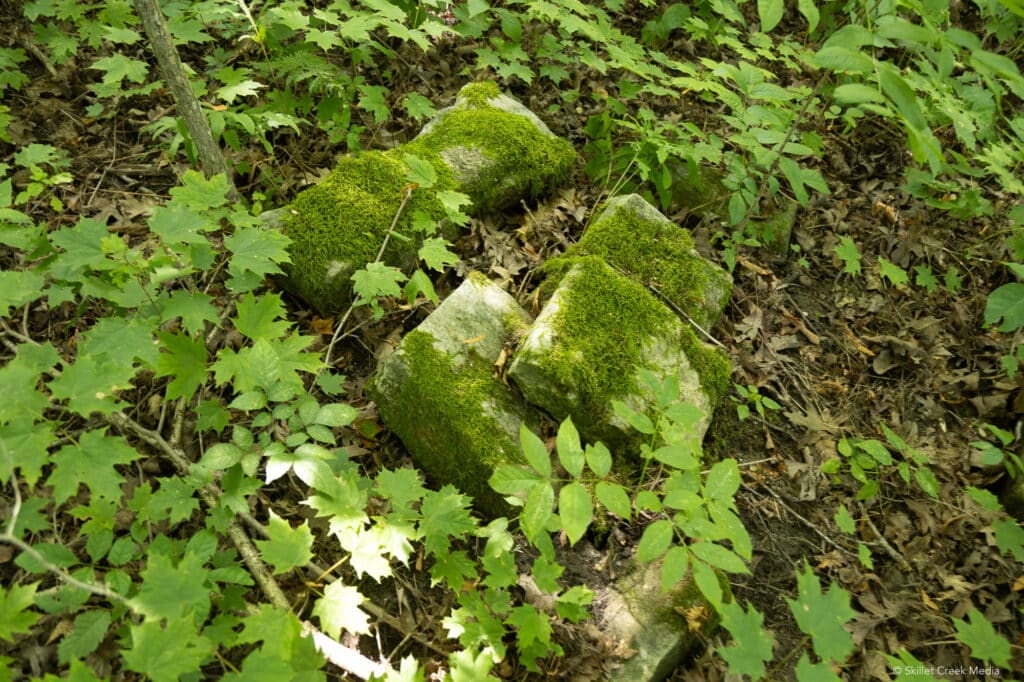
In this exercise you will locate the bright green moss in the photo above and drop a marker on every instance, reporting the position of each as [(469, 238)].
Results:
[(478, 94), (337, 226), (518, 160), (657, 254), (604, 321), (455, 420)]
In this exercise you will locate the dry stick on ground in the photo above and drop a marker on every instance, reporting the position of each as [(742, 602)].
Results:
[(348, 659), (210, 157)]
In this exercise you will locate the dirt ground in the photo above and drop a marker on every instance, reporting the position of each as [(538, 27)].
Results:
[(842, 354)]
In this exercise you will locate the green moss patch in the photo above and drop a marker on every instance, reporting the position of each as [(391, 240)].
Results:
[(650, 248), (458, 421)]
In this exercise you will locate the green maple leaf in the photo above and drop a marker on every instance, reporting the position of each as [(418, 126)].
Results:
[(90, 461), (166, 652), (184, 359), (470, 666), (31, 441), (261, 317), (172, 591), (373, 98), (244, 88), (533, 626), (257, 252), (377, 279), (452, 567), (119, 339), (14, 615), (176, 223), (815, 672), (18, 288), (849, 254), (892, 272), (435, 253), (287, 547), (21, 376), (986, 644), (401, 486), (199, 192), (194, 309), (339, 610), (82, 249), (419, 172), (445, 513), (822, 616), (89, 384), (418, 106), (117, 67), (89, 630), (1006, 303), (752, 644)]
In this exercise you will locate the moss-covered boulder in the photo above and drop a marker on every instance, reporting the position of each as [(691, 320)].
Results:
[(439, 394), (637, 239), (592, 339), (487, 146)]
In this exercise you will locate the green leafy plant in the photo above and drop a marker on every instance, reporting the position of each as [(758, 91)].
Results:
[(749, 396), (866, 459)]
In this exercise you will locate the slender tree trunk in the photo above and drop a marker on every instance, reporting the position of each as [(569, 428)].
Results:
[(210, 157)]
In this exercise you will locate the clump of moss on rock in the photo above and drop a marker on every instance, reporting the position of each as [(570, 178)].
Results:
[(487, 146), (634, 237)]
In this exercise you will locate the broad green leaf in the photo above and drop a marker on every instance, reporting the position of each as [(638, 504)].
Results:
[(194, 308), (419, 283), (512, 479), (184, 360), (655, 541), (1009, 537), (418, 106), (723, 480), (435, 253), (925, 278), (844, 520), (614, 498), (117, 67), (576, 510), (707, 582), (571, 603), (599, 458), (537, 510), (172, 591), (849, 254), (986, 644), (536, 454), (419, 172), (257, 251), (843, 59), (570, 452), (752, 643), (822, 616), (815, 672), (675, 567), (261, 317), (166, 651), (286, 547), (1007, 304), (445, 513), (89, 630), (892, 272), (90, 461), (18, 287), (791, 170), (810, 12), (902, 95), (199, 192), (245, 88), (639, 421), (377, 279), (15, 618), (719, 557), (339, 610), (336, 415), (770, 13)]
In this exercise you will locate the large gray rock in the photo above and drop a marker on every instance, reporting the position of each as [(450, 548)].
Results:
[(591, 341), (438, 391)]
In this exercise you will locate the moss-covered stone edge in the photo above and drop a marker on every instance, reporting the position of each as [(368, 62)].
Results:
[(442, 410), (337, 226), (659, 255)]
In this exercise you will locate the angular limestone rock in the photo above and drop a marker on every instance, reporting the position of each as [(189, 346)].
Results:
[(486, 146), (438, 391), (589, 343), (649, 623), (637, 239)]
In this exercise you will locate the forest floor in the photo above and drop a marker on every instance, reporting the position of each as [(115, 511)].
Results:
[(841, 354)]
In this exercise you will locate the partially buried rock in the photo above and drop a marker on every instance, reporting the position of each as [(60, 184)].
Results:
[(438, 391), (590, 343)]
